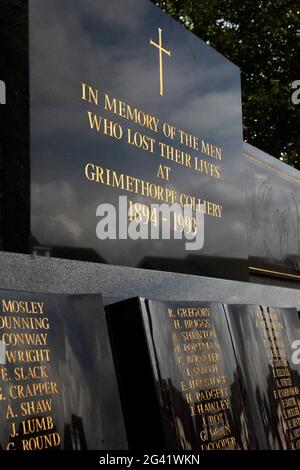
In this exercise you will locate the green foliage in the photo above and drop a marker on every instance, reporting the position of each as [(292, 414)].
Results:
[(261, 38)]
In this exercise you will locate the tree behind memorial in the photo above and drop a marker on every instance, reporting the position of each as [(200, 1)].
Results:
[(261, 38)]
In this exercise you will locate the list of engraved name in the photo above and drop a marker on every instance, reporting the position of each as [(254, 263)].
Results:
[(26, 387)]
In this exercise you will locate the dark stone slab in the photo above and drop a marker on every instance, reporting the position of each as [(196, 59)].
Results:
[(14, 127), (273, 216), (221, 376), (111, 49), (58, 387), (263, 340), (191, 399)]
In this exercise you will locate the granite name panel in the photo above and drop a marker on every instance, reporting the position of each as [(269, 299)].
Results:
[(123, 101), (181, 356), (267, 344), (58, 389), (212, 376), (273, 216)]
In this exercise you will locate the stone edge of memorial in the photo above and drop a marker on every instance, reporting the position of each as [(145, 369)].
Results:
[(43, 274)]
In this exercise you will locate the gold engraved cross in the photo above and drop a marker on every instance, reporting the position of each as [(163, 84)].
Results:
[(161, 52)]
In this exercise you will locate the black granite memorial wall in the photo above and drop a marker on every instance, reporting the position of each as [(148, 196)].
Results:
[(123, 101)]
